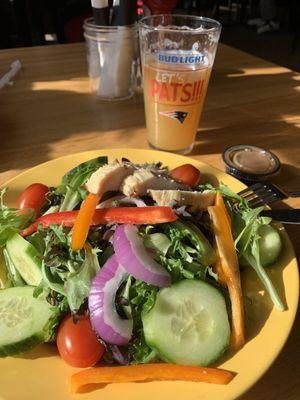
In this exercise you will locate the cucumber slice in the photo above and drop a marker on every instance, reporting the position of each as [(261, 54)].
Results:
[(22, 320), (158, 241), (188, 324), (13, 274), (4, 273), (270, 245), (25, 258)]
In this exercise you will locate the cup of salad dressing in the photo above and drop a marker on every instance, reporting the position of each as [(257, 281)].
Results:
[(250, 163)]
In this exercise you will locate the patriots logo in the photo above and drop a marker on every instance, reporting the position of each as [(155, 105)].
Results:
[(179, 116)]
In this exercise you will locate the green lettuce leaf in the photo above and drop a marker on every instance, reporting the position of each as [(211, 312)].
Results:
[(139, 352), (141, 298), (71, 186), (66, 273), (77, 286), (50, 329), (59, 261), (253, 257), (11, 220), (246, 225), (199, 249), (182, 249)]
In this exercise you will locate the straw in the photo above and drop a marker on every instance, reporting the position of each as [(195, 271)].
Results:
[(7, 78), (100, 12), (124, 12)]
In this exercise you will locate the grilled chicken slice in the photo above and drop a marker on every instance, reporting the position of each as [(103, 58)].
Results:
[(109, 177), (142, 180), (195, 200)]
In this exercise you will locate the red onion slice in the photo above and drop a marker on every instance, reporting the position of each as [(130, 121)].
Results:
[(134, 201), (134, 257), (122, 200), (103, 314), (109, 202)]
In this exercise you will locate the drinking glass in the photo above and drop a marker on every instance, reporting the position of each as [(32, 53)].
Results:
[(177, 55), (112, 59)]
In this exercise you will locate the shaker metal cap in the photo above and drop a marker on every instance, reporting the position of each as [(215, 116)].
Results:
[(250, 162)]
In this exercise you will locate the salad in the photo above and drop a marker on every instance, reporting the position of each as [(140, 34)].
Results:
[(134, 267)]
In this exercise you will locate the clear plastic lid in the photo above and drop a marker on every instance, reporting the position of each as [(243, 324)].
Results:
[(250, 162)]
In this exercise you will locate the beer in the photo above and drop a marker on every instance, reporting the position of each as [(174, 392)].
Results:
[(177, 54), (174, 97)]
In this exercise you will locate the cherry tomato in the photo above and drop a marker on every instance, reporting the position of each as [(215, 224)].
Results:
[(33, 197), (187, 174), (77, 343)]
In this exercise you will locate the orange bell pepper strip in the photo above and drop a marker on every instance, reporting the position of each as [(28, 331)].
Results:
[(148, 372), (230, 271), (84, 220)]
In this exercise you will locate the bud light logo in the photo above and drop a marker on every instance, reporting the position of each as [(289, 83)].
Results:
[(168, 58)]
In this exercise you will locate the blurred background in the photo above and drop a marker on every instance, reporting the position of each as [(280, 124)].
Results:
[(267, 28)]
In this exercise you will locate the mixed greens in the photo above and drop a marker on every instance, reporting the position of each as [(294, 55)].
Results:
[(152, 280)]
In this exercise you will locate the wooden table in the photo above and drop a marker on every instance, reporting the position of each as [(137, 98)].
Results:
[(49, 112)]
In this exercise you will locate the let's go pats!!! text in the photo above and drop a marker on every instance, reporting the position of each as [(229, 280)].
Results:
[(175, 91)]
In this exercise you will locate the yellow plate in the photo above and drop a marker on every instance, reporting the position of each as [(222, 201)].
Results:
[(42, 374)]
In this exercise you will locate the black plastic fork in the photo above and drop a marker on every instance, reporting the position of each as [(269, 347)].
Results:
[(265, 193)]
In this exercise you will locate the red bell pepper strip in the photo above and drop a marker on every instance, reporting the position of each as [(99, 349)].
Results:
[(121, 215)]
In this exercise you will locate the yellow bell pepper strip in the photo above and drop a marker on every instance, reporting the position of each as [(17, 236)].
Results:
[(220, 202), (148, 372), (217, 266), (230, 268), (84, 220)]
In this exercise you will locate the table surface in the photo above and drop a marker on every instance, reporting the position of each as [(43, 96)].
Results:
[(49, 112)]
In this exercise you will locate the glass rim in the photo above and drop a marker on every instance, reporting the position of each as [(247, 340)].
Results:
[(216, 28), (90, 24)]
